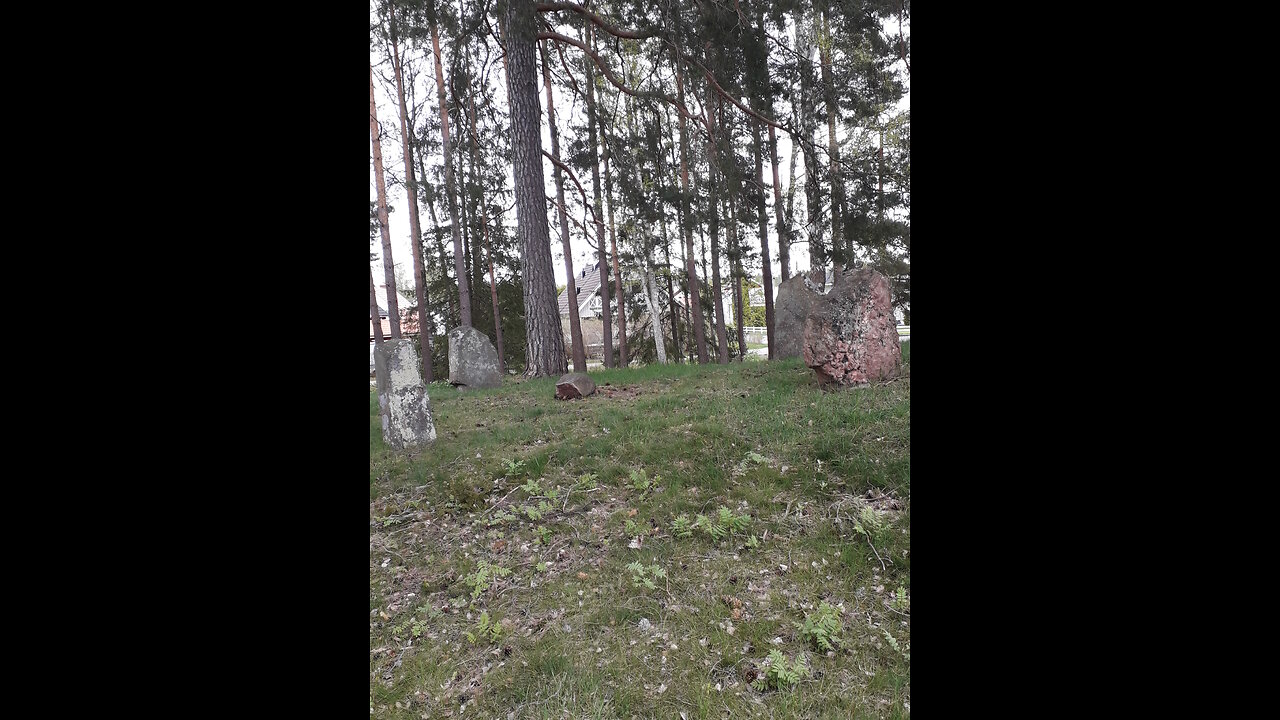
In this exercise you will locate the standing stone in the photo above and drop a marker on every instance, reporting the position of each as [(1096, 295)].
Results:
[(405, 406), (574, 385), (790, 310), (851, 337), (473, 363)]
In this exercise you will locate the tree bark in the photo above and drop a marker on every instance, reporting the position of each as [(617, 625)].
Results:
[(837, 184), (376, 322), (384, 223), (415, 228), (655, 318), (695, 306), (545, 351), (484, 224), (571, 289), (617, 273), (736, 243), (784, 235), (464, 291), (764, 236), (713, 180), (603, 263)]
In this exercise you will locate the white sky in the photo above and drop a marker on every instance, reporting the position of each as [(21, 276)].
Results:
[(393, 161)]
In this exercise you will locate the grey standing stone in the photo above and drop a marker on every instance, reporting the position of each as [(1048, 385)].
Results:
[(574, 385), (795, 302), (402, 398), (473, 363)]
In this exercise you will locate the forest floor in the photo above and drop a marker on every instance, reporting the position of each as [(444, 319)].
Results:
[(650, 551)]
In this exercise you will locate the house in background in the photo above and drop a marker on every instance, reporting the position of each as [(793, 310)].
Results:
[(589, 312)]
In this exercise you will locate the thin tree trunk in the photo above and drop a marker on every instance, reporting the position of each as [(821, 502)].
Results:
[(484, 224), (713, 181), (571, 289), (812, 190), (784, 236), (384, 223), (545, 352), (737, 277), (764, 237), (837, 184), (617, 273), (375, 321), (671, 295), (695, 306), (451, 305), (655, 318), (464, 292), (415, 229), (602, 264)]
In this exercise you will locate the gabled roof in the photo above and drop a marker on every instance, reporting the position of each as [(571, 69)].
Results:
[(588, 282)]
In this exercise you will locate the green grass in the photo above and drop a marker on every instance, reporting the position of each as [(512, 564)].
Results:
[(759, 438)]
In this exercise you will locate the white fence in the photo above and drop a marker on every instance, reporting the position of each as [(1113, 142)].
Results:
[(761, 335)]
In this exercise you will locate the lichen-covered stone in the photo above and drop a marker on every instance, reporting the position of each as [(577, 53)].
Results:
[(851, 337), (473, 363), (790, 310), (574, 385), (402, 398)]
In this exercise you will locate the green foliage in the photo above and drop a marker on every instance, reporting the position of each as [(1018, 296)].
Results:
[(900, 602), (483, 577), (780, 675), (632, 529), (532, 487), (585, 482), (871, 525), (893, 643), (682, 528), (644, 576), (485, 630), (753, 542), (723, 524), (641, 483), (542, 535), (515, 467), (536, 513), (821, 628)]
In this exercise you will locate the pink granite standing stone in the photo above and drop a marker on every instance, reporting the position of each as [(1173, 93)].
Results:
[(851, 337)]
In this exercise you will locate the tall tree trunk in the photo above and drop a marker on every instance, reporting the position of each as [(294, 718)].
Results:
[(415, 229), (571, 289), (812, 189), (713, 182), (784, 236), (764, 235), (837, 184), (655, 318), (374, 320), (602, 264), (671, 295), (623, 360), (464, 292), (484, 224), (545, 352), (384, 223), (452, 304), (737, 276), (695, 306)]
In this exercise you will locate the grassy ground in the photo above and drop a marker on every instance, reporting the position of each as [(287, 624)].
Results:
[(523, 524)]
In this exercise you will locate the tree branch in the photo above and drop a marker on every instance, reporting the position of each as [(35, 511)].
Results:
[(614, 78), (599, 21), (574, 178)]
